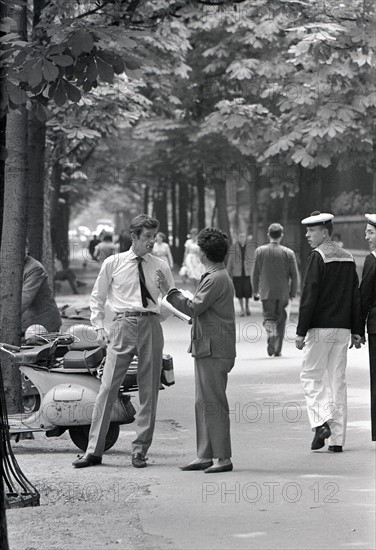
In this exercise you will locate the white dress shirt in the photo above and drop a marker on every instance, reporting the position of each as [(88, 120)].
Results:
[(118, 283)]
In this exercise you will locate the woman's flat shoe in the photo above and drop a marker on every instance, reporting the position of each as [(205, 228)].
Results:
[(197, 466), (219, 469)]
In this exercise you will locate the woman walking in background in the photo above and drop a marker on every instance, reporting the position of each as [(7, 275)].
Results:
[(239, 267), (191, 261), (162, 249)]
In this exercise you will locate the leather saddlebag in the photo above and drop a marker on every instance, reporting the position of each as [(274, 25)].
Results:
[(86, 359)]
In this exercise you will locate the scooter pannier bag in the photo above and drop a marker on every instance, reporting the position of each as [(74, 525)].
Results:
[(87, 359)]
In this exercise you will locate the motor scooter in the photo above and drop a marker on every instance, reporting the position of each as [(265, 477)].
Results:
[(67, 382)]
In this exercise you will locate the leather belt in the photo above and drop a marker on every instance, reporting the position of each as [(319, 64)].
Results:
[(135, 314)]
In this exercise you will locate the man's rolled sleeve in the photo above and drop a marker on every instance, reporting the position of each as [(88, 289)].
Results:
[(169, 276), (99, 295)]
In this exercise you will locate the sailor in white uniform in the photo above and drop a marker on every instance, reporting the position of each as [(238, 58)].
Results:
[(329, 314)]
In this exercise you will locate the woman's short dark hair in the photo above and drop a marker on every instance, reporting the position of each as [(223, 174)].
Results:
[(141, 221), (214, 243), (162, 235)]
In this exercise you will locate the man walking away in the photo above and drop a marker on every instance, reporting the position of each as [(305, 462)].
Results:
[(329, 312), (275, 279), (104, 249)]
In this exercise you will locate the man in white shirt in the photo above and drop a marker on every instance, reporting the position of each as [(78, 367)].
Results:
[(128, 283)]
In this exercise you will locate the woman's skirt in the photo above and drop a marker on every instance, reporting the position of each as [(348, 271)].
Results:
[(243, 287)]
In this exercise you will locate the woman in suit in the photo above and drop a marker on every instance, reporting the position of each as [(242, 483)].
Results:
[(213, 348), (368, 304)]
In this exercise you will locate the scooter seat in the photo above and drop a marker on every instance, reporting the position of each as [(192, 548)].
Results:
[(86, 359), (36, 354)]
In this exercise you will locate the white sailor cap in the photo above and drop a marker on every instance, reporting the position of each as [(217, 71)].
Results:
[(317, 218), (371, 218)]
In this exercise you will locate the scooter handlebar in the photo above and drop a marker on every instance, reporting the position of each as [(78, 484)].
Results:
[(8, 347)]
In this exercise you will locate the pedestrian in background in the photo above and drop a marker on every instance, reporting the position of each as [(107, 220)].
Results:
[(240, 267), (368, 307), (275, 280), (38, 303), (336, 237), (191, 261), (124, 241), (67, 274), (161, 249), (104, 249), (127, 282), (213, 348), (329, 313), (91, 246)]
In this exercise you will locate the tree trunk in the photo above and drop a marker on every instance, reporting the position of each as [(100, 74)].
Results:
[(146, 200), (307, 202), (285, 208), (37, 147), (183, 218), (48, 259), (253, 211), (191, 206), (62, 228), (160, 206), (3, 124), (201, 200), (60, 211), (14, 233), (174, 218), (56, 181), (214, 214), (221, 202)]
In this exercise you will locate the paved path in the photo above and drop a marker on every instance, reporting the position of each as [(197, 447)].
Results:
[(280, 495)]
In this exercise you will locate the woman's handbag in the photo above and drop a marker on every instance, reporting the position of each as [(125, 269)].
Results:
[(167, 374), (183, 272)]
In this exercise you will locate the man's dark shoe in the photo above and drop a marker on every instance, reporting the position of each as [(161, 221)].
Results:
[(322, 433), (87, 460), (335, 448), (277, 354), (271, 346), (138, 460)]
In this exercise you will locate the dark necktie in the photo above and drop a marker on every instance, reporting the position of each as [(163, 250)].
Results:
[(145, 294)]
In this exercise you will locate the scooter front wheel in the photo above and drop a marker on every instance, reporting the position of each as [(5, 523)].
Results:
[(80, 436)]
